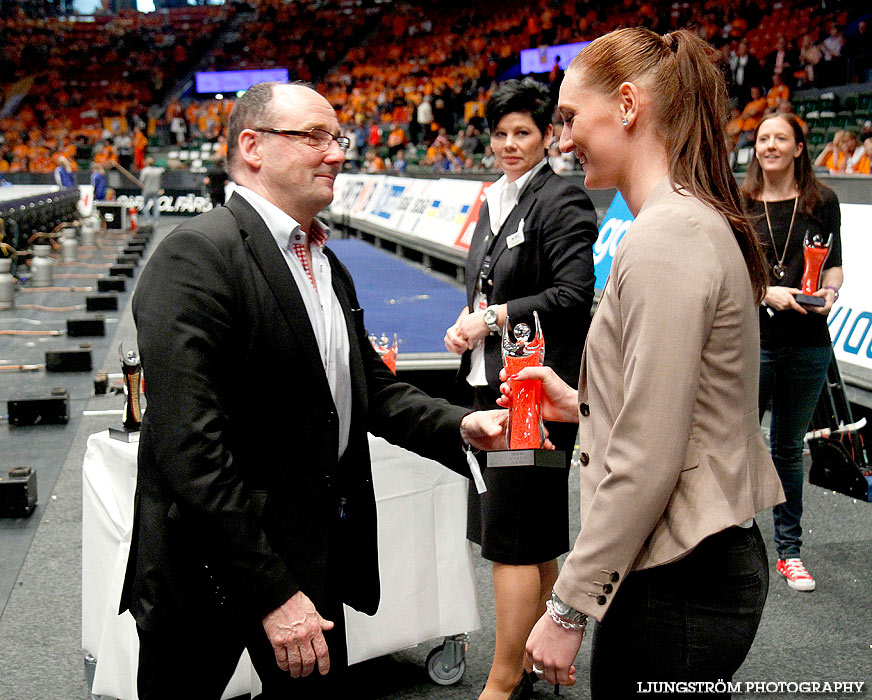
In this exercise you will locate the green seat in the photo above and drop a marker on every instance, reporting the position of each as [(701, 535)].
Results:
[(844, 119), (817, 136), (849, 102)]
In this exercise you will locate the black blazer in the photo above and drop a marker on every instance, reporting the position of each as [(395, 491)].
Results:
[(550, 272), (239, 481)]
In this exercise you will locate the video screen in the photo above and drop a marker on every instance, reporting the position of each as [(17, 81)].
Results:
[(541, 59), (232, 81)]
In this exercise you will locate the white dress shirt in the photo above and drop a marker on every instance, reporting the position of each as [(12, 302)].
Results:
[(502, 197), (322, 306)]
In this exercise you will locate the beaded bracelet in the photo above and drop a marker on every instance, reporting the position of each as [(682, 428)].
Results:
[(565, 624)]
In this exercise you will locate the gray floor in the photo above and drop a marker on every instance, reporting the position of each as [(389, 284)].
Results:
[(821, 636)]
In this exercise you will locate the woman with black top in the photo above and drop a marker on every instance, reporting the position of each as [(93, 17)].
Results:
[(531, 251), (788, 205)]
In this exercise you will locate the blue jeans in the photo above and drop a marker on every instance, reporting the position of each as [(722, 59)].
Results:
[(691, 620), (792, 379)]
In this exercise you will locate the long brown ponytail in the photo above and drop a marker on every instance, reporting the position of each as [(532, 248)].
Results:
[(691, 99)]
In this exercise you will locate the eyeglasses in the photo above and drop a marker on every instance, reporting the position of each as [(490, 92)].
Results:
[(319, 139)]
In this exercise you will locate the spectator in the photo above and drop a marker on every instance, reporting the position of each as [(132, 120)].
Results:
[(777, 93), (124, 147), (838, 154), (745, 72), (834, 62), (488, 160), (751, 116), (139, 144), (151, 190), (179, 129), (425, 117), (863, 163), (784, 60), (858, 51), (98, 182), (63, 173), (809, 57), (472, 140), (560, 162), (396, 140), (373, 162), (352, 155), (784, 107), (216, 182)]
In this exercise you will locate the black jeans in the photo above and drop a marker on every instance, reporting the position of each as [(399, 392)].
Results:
[(691, 620)]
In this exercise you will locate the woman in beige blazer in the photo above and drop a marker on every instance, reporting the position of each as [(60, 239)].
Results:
[(669, 560)]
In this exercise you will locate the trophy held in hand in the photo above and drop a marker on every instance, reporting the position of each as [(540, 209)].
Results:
[(815, 253), (525, 432)]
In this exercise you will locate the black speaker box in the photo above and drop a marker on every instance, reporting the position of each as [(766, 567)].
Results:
[(68, 360), (112, 284), (102, 302), (127, 259), (18, 493), (121, 270), (83, 327), (40, 410)]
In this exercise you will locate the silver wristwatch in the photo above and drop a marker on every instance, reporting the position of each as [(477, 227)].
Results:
[(490, 319), (565, 611)]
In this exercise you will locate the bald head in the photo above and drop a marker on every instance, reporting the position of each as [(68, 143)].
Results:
[(256, 108)]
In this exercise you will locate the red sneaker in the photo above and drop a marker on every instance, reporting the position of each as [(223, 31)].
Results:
[(797, 577)]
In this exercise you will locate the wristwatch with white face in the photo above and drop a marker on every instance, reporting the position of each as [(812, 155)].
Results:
[(566, 611), (490, 319)]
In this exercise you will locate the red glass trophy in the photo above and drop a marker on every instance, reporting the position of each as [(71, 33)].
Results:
[(131, 370), (386, 351), (815, 253), (525, 432)]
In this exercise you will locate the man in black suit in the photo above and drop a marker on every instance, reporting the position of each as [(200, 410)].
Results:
[(255, 516)]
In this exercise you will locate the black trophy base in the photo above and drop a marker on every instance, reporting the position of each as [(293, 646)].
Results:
[(806, 300), (527, 458), (119, 432)]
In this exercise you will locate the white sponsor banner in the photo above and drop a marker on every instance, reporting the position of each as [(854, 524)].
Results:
[(388, 204), (850, 320), (416, 201), (450, 204)]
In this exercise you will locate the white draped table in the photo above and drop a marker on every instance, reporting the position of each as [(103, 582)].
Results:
[(427, 573)]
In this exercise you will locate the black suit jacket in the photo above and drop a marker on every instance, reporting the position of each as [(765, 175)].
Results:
[(550, 272), (239, 481)]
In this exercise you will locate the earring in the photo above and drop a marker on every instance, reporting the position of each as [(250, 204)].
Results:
[(625, 121)]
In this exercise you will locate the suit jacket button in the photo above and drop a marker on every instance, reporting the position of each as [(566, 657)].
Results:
[(584, 458), (614, 576), (601, 600), (607, 588), (584, 409)]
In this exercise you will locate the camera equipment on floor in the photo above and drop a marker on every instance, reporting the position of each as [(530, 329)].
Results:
[(839, 460)]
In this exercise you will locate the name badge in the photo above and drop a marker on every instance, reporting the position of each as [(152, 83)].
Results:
[(517, 237)]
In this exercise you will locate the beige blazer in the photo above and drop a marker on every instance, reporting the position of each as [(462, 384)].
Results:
[(669, 430)]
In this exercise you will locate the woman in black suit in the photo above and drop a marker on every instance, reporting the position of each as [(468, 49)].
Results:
[(531, 251)]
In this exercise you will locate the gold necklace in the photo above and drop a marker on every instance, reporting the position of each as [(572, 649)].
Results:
[(778, 268)]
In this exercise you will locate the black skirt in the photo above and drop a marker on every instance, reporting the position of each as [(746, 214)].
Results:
[(523, 517)]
